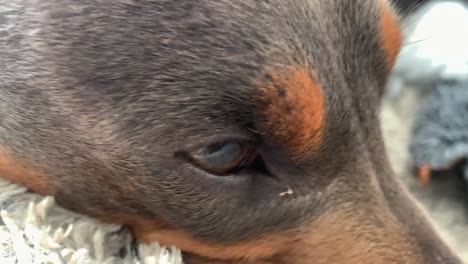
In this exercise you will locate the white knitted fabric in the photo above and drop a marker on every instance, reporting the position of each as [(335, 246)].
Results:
[(35, 230)]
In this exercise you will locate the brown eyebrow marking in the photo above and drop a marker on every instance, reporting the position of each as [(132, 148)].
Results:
[(293, 108), (390, 33)]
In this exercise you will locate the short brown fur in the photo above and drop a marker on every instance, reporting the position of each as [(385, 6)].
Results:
[(390, 33), (294, 109), (367, 244), (158, 80), (25, 174)]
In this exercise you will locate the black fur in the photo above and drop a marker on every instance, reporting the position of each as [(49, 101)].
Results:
[(408, 6), (95, 91), (103, 95)]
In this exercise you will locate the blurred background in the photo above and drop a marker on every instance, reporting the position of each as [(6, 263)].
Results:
[(425, 113)]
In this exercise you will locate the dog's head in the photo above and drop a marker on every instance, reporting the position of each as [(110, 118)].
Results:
[(240, 131)]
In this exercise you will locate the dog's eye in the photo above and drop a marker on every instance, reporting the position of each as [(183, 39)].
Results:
[(222, 159)]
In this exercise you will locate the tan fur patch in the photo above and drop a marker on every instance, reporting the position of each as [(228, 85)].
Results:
[(390, 33), (156, 230), (353, 239), (333, 238), (148, 231), (293, 108), (25, 174)]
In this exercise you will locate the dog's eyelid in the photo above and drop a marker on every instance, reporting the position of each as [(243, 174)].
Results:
[(222, 155), (193, 143), (199, 139), (223, 158), (204, 144)]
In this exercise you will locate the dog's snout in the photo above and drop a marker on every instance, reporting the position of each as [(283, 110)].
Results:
[(414, 221), (443, 258), (373, 236), (436, 251)]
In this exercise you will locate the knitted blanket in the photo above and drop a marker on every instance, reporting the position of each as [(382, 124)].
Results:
[(35, 230)]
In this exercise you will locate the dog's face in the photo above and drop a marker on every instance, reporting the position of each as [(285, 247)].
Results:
[(240, 131)]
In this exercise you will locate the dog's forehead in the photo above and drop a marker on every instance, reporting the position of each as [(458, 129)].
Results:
[(288, 70), (211, 60), (237, 44)]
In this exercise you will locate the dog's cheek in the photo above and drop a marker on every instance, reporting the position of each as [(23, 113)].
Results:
[(264, 247), (361, 238)]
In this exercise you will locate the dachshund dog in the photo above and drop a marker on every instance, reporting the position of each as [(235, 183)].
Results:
[(239, 131)]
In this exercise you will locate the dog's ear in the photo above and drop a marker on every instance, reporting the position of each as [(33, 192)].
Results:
[(406, 7)]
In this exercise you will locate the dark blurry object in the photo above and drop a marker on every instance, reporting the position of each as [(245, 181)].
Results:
[(440, 131), (408, 6), (465, 170)]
